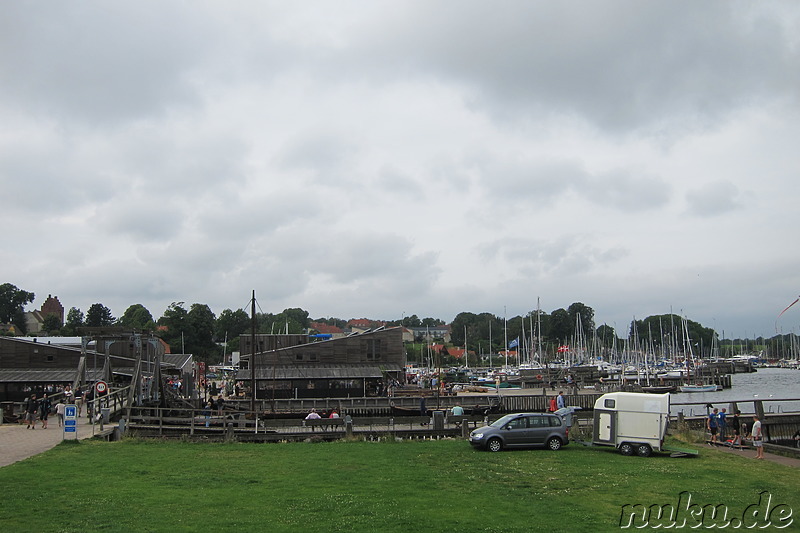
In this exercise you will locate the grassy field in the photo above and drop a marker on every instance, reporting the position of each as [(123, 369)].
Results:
[(364, 486)]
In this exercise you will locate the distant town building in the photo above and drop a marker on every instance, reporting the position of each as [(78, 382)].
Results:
[(429, 333), (35, 319), (360, 325), (327, 329)]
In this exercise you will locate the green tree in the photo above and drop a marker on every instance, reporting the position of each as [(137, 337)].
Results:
[(299, 316), (74, 321), (200, 321), (51, 324), (230, 325), (99, 316), (608, 336), (12, 305), (587, 318), (561, 326), (173, 325), (431, 322), (137, 317)]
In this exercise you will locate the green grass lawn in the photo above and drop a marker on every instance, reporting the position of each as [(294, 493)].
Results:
[(364, 486)]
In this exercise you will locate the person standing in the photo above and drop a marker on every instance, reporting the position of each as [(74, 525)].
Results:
[(44, 410), (560, 401), (553, 404), (30, 411), (736, 426), (722, 424), (711, 425), (207, 413), (79, 399), (757, 437), (61, 407), (89, 397)]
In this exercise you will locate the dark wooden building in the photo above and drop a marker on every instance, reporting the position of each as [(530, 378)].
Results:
[(289, 366), (40, 364)]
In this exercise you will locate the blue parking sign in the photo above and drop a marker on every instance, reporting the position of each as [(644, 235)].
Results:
[(70, 422)]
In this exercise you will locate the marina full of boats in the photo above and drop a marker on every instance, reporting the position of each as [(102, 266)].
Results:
[(681, 375)]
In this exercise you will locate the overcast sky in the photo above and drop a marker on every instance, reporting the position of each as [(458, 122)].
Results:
[(388, 158)]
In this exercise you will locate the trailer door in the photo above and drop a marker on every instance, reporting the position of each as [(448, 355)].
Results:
[(604, 426)]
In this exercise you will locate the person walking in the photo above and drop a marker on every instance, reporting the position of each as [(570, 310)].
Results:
[(560, 401), (44, 410), (757, 437), (31, 407)]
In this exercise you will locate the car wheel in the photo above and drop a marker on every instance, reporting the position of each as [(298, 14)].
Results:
[(626, 449), (494, 445), (644, 450), (554, 443)]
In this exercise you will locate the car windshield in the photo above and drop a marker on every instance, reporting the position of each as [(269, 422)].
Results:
[(500, 422)]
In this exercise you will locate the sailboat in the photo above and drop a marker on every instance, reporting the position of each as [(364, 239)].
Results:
[(698, 387)]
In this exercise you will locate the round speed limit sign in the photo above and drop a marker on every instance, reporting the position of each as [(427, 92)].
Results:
[(101, 387)]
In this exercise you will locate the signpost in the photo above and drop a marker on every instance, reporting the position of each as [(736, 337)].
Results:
[(70, 422)]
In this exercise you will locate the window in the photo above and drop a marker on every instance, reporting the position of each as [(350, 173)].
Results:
[(537, 422), (49, 358), (298, 357), (373, 349), (609, 403), (554, 421), (517, 423)]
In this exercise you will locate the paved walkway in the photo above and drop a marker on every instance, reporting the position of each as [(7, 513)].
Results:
[(18, 443), (751, 454)]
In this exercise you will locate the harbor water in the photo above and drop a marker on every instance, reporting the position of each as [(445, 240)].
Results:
[(775, 386)]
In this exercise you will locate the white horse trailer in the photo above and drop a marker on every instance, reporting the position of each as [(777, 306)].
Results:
[(634, 423)]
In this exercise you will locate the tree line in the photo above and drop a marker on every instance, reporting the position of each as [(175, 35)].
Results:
[(199, 331)]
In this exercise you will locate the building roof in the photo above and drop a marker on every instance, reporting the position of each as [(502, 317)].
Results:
[(364, 323), (280, 372), (178, 360), (326, 328), (49, 375)]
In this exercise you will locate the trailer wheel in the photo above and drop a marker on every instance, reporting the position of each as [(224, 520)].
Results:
[(644, 450), (626, 448), (554, 443), (494, 445)]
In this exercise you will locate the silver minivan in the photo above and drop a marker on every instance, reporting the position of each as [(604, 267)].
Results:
[(522, 430)]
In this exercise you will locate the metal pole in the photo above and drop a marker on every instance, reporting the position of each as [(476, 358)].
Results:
[(253, 352)]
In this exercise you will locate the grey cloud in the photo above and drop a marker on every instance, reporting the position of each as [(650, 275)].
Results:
[(621, 65), (567, 256), (537, 183), (133, 62), (714, 199), (626, 192)]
